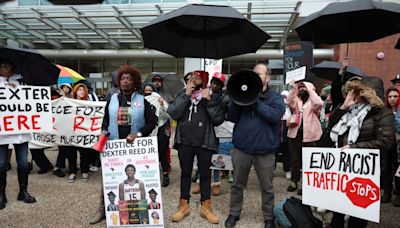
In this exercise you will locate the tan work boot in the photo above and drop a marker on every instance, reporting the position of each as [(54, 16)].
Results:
[(207, 213), (196, 188), (182, 212), (216, 188)]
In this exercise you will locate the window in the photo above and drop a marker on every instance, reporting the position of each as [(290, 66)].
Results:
[(28, 2), (164, 65)]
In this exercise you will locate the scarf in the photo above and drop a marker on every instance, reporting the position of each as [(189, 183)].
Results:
[(195, 98), (351, 121)]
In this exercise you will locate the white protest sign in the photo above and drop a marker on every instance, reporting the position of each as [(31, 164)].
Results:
[(75, 123), (346, 181), (296, 75), (131, 182), (24, 109)]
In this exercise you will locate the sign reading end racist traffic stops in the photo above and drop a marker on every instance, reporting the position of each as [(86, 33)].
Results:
[(345, 181), (24, 109)]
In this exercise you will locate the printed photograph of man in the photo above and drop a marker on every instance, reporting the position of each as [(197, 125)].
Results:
[(156, 217), (131, 188), (112, 206), (153, 203)]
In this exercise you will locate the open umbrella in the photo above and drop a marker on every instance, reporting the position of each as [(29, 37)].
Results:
[(330, 70), (171, 84), (68, 75), (203, 31), (34, 68), (349, 22)]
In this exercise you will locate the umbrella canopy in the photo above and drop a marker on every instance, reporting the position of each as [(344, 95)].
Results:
[(203, 31), (171, 85), (34, 68), (330, 70), (68, 75), (349, 22)]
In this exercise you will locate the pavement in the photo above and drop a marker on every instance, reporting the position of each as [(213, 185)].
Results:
[(63, 204)]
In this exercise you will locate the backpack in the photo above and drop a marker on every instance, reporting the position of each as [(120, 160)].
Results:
[(300, 215)]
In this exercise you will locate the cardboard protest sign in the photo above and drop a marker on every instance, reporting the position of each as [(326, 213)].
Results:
[(345, 181), (24, 109), (75, 123), (131, 182), (296, 75)]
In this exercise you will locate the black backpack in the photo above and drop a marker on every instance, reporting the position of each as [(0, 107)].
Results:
[(300, 215)]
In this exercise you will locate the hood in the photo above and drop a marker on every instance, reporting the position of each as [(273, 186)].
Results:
[(376, 84)]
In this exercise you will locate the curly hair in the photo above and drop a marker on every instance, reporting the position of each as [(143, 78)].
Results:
[(135, 74), (365, 92)]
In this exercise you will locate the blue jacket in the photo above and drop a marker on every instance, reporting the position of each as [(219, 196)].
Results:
[(257, 127)]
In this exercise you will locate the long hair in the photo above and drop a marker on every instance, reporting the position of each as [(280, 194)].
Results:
[(134, 72), (75, 90), (365, 92), (387, 97)]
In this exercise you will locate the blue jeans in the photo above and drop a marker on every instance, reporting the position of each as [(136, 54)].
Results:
[(217, 176), (21, 155)]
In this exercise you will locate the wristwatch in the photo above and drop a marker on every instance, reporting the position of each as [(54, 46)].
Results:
[(139, 134)]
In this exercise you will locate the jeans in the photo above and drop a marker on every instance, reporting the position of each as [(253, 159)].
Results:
[(21, 155), (217, 176)]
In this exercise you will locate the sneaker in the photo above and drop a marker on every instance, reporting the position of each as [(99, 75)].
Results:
[(59, 173), (288, 175), (85, 176), (292, 186), (71, 178), (93, 168)]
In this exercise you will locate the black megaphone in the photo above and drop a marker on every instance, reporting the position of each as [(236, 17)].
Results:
[(244, 87)]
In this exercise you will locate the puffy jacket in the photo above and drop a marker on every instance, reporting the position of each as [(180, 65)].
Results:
[(257, 127)]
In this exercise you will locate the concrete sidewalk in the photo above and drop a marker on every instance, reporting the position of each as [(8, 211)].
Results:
[(63, 204)]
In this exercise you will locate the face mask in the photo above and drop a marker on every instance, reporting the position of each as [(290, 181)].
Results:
[(324, 98), (303, 95), (147, 94)]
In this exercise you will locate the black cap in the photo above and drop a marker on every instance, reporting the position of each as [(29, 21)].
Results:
[(153, 192), (111, 194), (395, 79)]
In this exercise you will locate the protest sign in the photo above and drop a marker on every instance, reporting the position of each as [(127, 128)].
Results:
[(345, 181), (296, 55), (75, 123), (296, 75), (131, 181), (24, 109)]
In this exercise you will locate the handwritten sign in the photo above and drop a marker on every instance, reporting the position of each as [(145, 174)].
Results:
[(131, 181), (346, 181), (296, 75), (24, 109), (75, 123), (296, 55)]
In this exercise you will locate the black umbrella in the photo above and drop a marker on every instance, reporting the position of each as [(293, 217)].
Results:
[(34, 68), (171, 85), (349, 22), (203, 31), (330, 70)]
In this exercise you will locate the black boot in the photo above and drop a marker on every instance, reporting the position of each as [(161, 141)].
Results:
[(3, 184), (23, 194), (165, 181)]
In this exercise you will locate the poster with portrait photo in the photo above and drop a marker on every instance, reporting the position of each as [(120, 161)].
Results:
[(131, 182)]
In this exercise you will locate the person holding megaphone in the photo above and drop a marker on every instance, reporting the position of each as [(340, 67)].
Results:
[(255, 137)]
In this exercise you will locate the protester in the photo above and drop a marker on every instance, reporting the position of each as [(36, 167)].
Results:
[(393, 103), (284, 143), (114, 89), (327, 108), (372, 126), (19, 141), (396, 81), (255, 140), (65, 90), (80, 92), (196, 114), (117, 121), (149, 91), (305, 130)]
